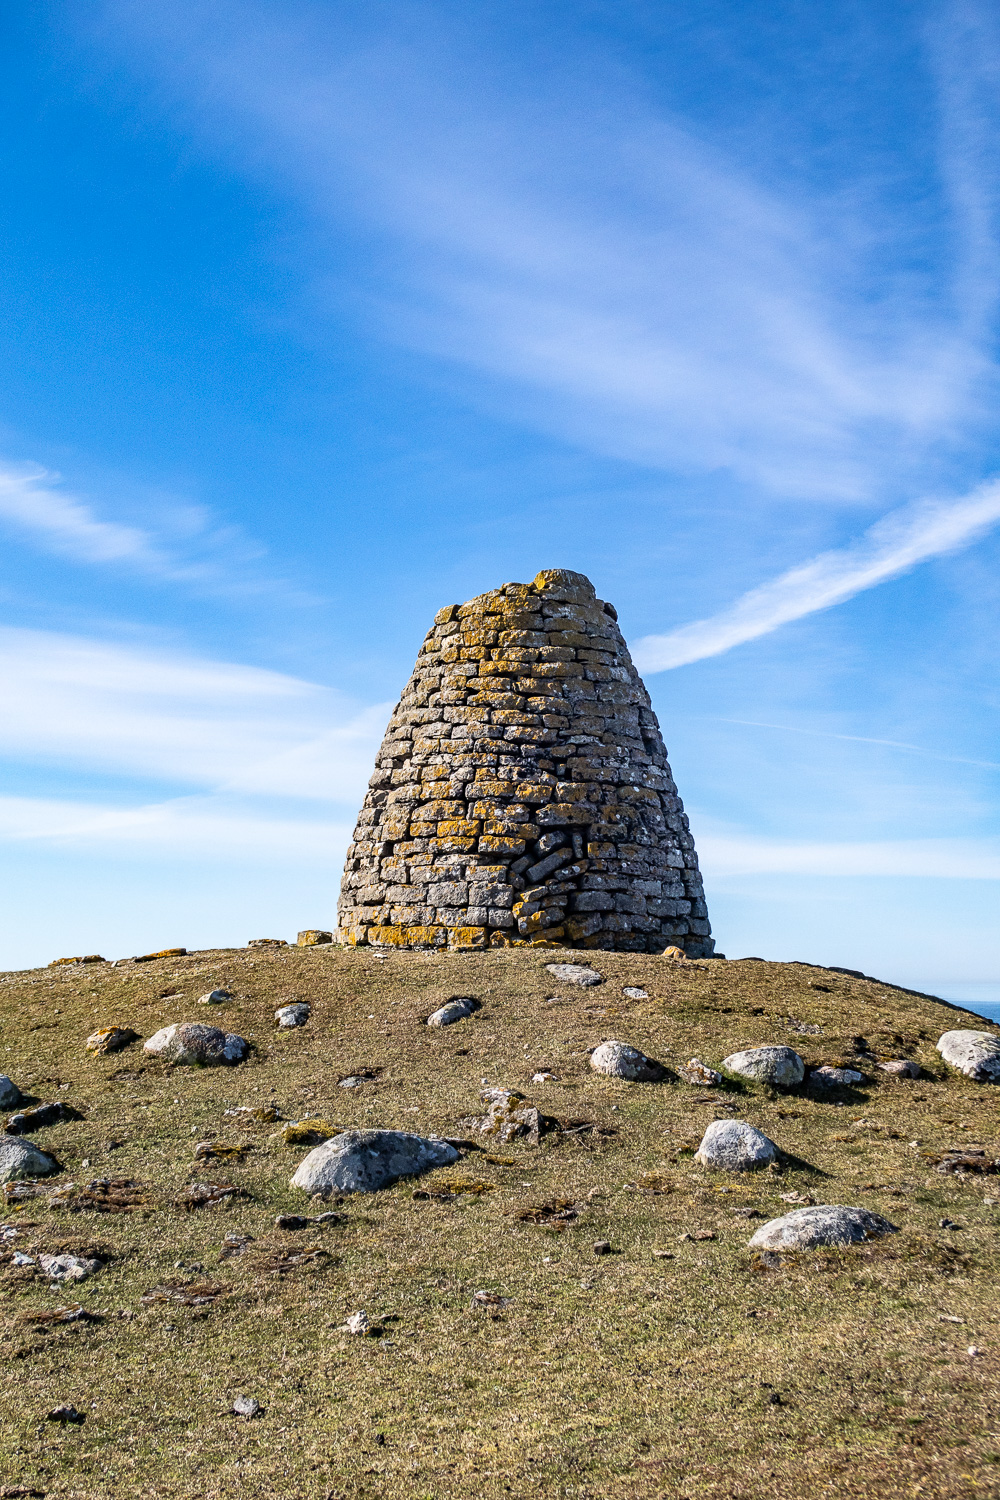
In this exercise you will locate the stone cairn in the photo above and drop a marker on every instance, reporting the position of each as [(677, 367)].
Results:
[(522, 795)]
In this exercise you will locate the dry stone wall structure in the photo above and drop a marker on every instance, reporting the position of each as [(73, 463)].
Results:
[(522, 794)]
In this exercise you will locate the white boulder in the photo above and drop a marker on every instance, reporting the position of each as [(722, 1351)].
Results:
[(826, 1224), (455, 1010), (289, 1016), (19, 1158), (363, 1161), (619, 1060), (191, 1042), (735, 1146), (974, 1053), (575, 974), (10, 1094), (780, 1066)]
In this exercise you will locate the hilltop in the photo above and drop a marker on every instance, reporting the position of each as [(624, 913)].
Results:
[(678, 1364)]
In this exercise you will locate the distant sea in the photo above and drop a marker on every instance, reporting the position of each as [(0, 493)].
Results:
[(984, 999)]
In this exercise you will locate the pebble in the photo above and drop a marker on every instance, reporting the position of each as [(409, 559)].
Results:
[(191, 1042), (602, 1247), (364, 1161), (575, 974), (65, 1414), (780, 1066), (700, 1073), (826, 1224), (246, 1406), (68, 1267), (19, 1159), (634, 993), (359, 1323), (214, 997), (619, 1060), (974, 1053), (110, 1039), (289, 1016), (10, 1094), (901, 1067), (735, 1146), (545, 1077), (455, 1010), (830, 1077)]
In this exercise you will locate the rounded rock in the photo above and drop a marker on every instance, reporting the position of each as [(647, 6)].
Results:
[(364, 1161), (735, 1146), (830, 1077), (10, 1094), (455, 1010), (900, 1067), (575, 974), (700, 1074), (20, 1159), (825, 1224), (619, 1060), (974, 1053), (780, 1066), (110, 1039), (289, 1016), (190, 1042)]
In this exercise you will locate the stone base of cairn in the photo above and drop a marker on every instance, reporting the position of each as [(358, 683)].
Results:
[(522, 795)]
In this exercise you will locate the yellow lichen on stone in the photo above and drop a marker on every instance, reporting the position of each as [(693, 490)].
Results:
[(467, 937)]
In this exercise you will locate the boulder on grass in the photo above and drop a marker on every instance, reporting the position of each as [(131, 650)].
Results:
[(619, 1060), (826, 1224), (454, 1010), (363, 1161), (20, 1159), (780, 1066), (974, 1053), (110, 1039), (575, 974), (10, 1094), (289, 1016), (190, 1042), (735, 1146)]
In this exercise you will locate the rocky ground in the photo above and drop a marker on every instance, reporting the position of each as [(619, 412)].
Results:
[(572, 1310)]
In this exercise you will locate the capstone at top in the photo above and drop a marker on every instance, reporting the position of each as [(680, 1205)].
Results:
[(522, 793)]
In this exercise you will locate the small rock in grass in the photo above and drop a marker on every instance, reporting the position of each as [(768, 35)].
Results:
[(901, 1067), (974, 1053), (575, 974), (214, 997), (830, 1077), (314, 937), (65, 1414), (359, 1323), (780, 1066), (191, 1042), (455, 1010), (110, 1039), (602, 1247), (350, 1082), (10, 1094), (68, 1267), (735, 1146), (826, 1224), (364, 1161), (545, 1077), (37, 1119), (20, 1159), (674, 952), (699, 1073), (267, 943), (633, 992), (509, 1116), (619, 1060), (246, 1406), (293, 1015)]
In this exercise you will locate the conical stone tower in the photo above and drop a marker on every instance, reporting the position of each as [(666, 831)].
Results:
[(522, 794)]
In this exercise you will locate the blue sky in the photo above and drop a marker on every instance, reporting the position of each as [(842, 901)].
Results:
[(319, 317)]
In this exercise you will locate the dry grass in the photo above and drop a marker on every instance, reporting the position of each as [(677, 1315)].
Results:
[(674, 1366)]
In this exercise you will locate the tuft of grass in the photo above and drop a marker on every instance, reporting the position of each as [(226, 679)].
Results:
[(677, 1365)]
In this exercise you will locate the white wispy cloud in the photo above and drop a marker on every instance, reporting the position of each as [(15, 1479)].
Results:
[(31, 502), (195, 827), (928, 859), (894, 545), (98, 705), (590, 263)]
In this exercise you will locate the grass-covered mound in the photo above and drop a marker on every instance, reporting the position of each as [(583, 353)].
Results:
[(679, 1364)]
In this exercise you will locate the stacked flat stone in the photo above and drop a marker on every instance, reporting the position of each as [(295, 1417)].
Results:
[(522, 794)]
